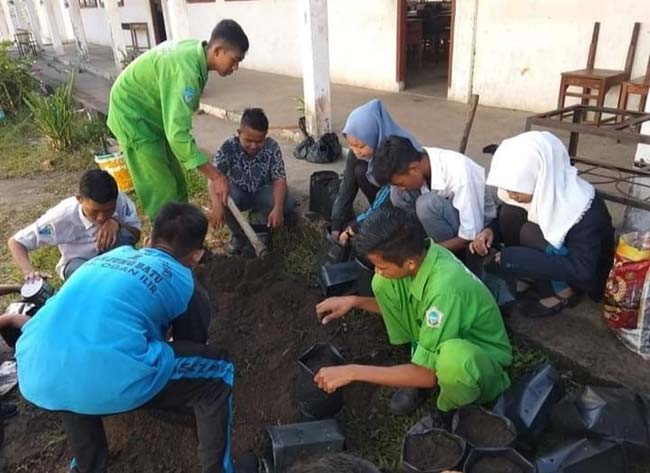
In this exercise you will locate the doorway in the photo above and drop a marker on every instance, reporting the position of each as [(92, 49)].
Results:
[(424, 53), (158, 20)]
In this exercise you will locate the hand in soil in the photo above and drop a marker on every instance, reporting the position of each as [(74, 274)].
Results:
[(331, 378), (334, 308)]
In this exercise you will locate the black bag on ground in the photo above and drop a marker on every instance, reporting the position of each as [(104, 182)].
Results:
[(584, 456), (331, 251), (527, 403), (323, 188), (481, 428), (326, 149), (614, 414)]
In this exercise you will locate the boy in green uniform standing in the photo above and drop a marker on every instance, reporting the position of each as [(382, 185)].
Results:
[(151, 107), (429, 299)]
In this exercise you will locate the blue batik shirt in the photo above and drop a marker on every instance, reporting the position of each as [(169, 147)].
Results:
[(250, 173), (99, 345)]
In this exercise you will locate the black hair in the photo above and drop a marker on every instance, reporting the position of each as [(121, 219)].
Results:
[(182, 226), (254, 118), (393, 233), (98, 186), (394, 156), (230, 32), (337, 463)]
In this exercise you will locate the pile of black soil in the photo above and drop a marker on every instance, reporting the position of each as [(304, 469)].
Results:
[(432, 451)]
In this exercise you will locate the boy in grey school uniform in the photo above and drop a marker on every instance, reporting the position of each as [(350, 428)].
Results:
[(97, 220)]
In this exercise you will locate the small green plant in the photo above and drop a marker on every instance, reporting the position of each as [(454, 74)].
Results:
[(16, 79), (54, 115), (300, 105), (93, 132)]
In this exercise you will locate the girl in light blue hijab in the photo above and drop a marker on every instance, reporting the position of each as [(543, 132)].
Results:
[(366, 128)]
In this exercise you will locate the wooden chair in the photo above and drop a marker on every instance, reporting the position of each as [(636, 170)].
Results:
[(600, 80), (639, 86)]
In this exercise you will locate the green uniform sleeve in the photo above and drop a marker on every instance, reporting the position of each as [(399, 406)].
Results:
[(386, 293), (179, 99), (442, 321)]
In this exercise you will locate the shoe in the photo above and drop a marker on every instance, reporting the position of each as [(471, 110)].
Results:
[(534, 309), (235, 246), (249, 463), (7, 411), (406, 400)]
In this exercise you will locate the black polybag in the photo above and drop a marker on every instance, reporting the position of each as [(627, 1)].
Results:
[(331, 251), (528, 401), (584, 456), (614, 414)]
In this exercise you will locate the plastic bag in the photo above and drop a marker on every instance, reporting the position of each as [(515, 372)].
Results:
[(527, 403), (626, 307), (326, 149), (584, 456), (614, 414)]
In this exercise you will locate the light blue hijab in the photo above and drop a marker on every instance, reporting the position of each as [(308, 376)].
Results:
[(372, 124)]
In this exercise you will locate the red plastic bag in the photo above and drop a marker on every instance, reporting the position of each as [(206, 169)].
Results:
[(627, 294)]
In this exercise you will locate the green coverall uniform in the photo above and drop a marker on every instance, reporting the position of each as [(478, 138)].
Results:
[(454, 324), (150, 113)]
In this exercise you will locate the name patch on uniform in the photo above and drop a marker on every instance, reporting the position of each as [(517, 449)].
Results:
[(46, 230), (433, 317), (188, 94)]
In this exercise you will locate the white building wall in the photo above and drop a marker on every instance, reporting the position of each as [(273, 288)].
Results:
[(522, 46), (362, 36), (133, 11)]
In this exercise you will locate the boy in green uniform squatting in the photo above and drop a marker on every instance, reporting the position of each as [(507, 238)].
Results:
[(150, 113), (429, 299)]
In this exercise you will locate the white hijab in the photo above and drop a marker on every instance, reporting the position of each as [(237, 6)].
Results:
[(537, 163)]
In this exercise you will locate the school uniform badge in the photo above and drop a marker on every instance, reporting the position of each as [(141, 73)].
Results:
[(188, 94), (433, 317), (46, 230)]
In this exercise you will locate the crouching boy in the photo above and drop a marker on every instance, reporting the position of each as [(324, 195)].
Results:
[(116, 356), (253, 164), (429, 299), (97, 219)]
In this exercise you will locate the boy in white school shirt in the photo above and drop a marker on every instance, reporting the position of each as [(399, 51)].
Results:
[(97, 220), (445, 188)]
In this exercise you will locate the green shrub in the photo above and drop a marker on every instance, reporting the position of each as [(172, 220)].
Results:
[(54, 115), (91, 131), (16, 79)]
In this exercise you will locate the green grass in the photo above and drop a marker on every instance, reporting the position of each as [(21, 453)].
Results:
[(25, 153)]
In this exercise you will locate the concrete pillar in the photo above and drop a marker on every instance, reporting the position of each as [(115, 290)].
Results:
[(78, 29), (55, 34), (6, 28), (464, 50), (179, 24), (32, 13), (316, 68), (117, 35), (636, 219)]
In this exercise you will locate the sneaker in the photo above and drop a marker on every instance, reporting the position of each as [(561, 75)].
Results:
[(7, 411), (406, 400)]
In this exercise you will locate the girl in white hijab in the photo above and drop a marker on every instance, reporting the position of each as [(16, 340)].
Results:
[(553, 227)]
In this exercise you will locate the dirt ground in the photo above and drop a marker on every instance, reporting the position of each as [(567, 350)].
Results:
[(265, 320)]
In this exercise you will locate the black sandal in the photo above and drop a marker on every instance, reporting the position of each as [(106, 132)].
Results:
[(534, 309)]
